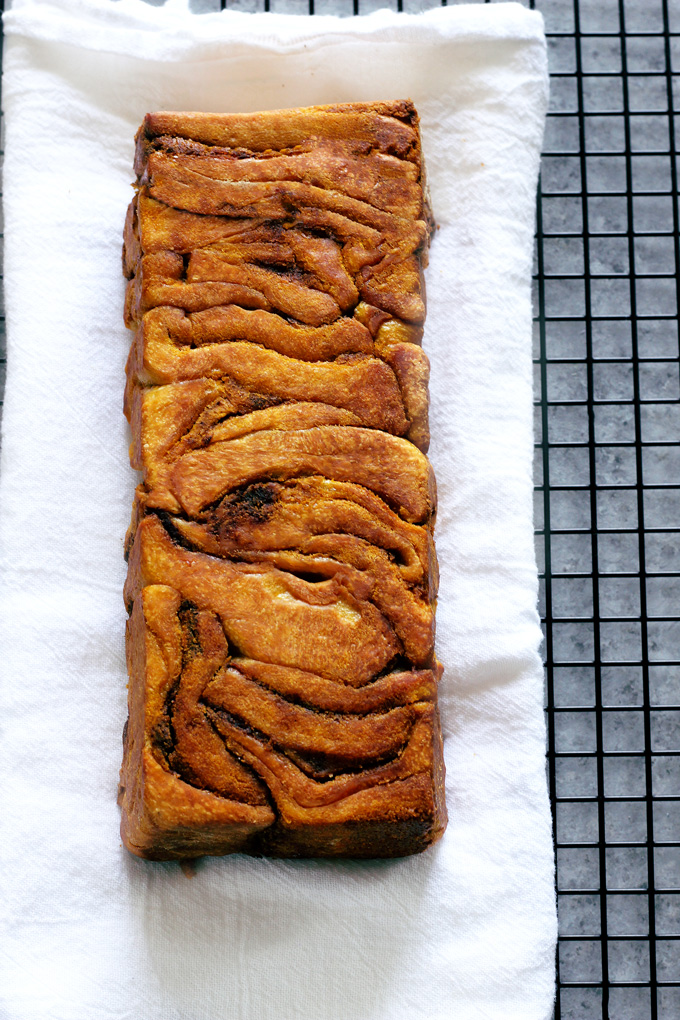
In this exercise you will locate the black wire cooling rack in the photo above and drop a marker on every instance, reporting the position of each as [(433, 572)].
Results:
[(608, 476), (608, 490)]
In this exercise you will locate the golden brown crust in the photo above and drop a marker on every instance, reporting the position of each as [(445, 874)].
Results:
[(165, 816), (282, 576)]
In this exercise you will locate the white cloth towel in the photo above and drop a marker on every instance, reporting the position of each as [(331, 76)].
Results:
[(462, 932)]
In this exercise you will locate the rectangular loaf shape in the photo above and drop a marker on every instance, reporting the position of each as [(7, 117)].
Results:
[(281, 568)]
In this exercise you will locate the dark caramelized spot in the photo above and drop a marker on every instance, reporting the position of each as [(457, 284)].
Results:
[(162, 738), (253, 503), (191, 642), (323, 767)]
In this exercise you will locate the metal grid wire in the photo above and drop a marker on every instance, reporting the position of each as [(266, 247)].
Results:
[(609, 474), (608, 490)]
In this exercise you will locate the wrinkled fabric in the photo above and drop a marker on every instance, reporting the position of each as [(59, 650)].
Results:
[(465, 930)]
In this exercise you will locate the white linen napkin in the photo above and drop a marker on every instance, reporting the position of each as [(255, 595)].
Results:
[(464, 931)]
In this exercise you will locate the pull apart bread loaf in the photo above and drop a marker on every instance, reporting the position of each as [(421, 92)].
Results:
[(282, 574)]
